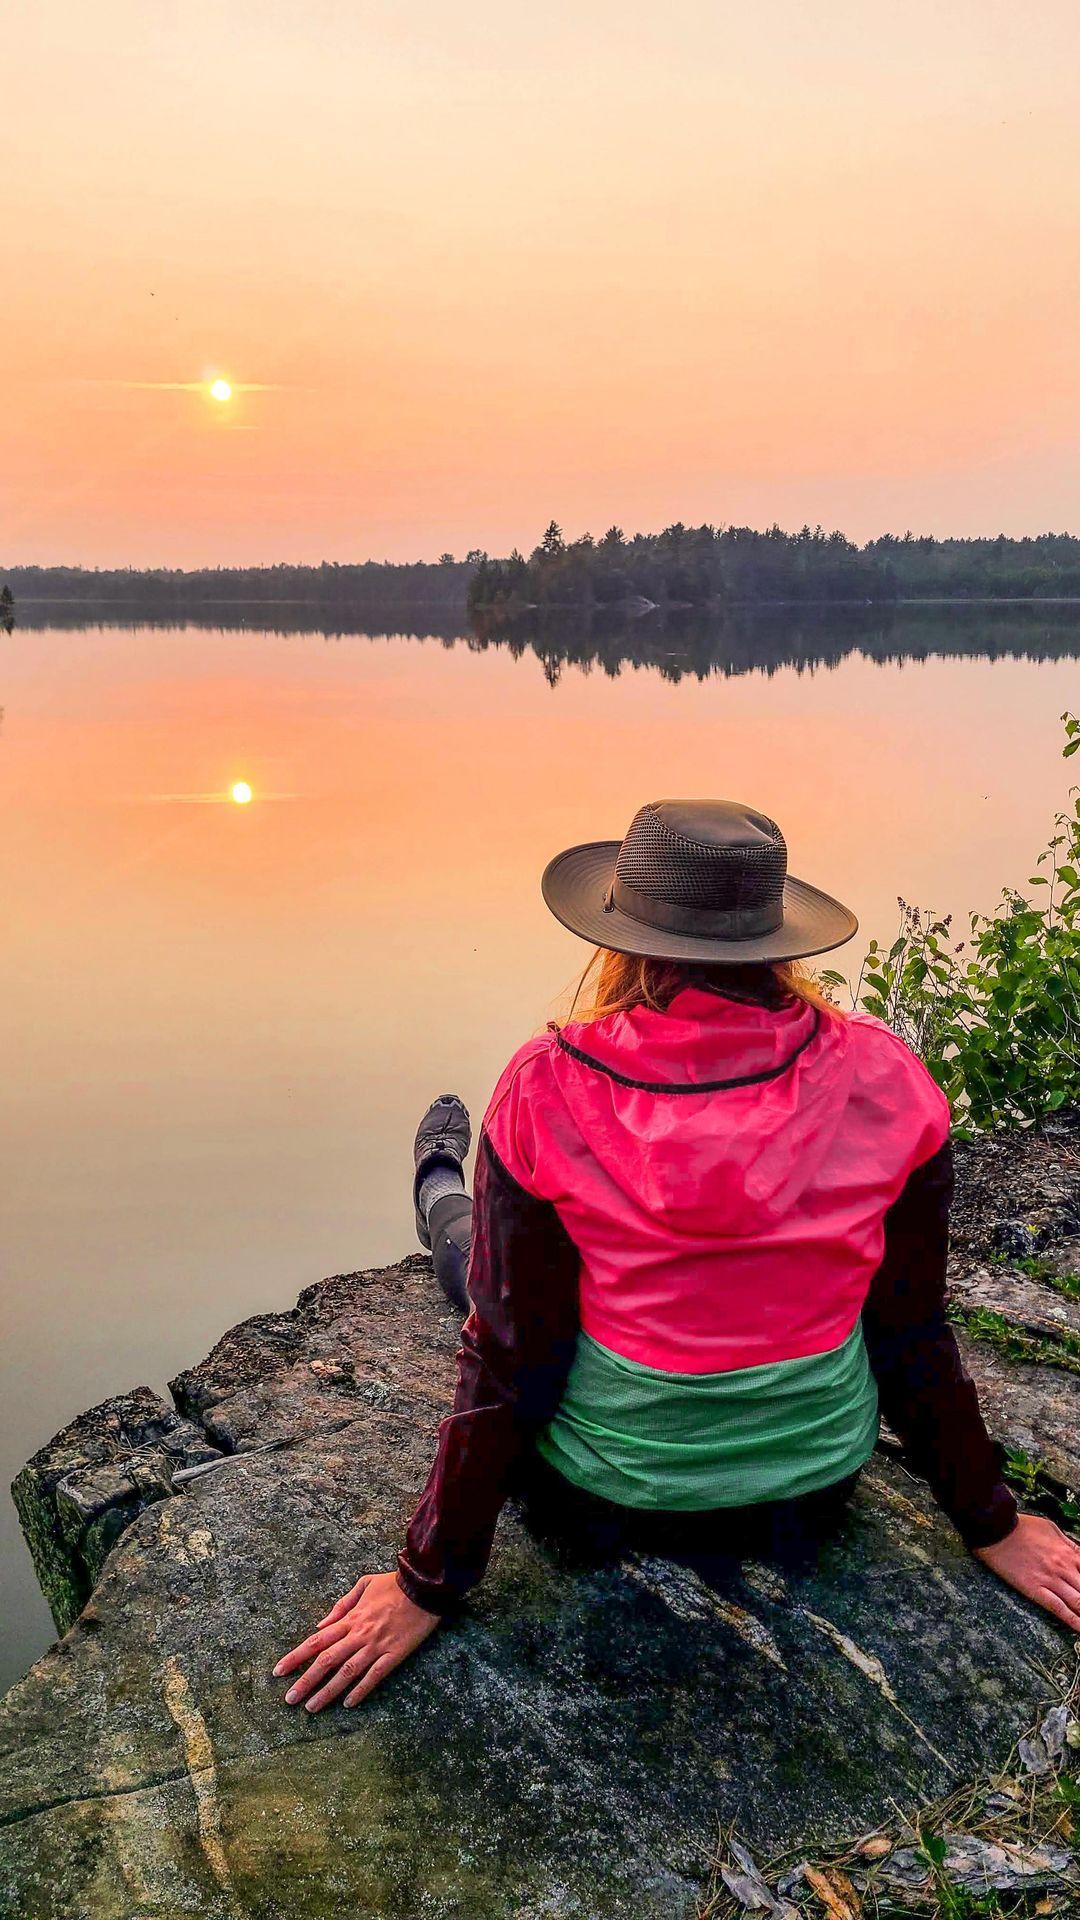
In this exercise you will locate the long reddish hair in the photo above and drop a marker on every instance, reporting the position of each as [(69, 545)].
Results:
[(616, 982)]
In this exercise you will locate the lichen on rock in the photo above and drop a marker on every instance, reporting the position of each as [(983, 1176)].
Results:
[(78, 1494)]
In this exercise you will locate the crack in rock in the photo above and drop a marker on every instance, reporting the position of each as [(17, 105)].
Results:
[(869, 1665), (688, 1597)]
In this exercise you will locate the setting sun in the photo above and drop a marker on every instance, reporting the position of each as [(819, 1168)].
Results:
[(221, 390), (241, 793)]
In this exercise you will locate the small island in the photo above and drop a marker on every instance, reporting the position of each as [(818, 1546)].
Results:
[(727, 566)]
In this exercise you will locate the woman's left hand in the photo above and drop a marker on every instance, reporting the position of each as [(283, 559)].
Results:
[(1042, 1563), (371, 1630)]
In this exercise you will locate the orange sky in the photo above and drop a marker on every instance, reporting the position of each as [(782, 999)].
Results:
[(602, 261)]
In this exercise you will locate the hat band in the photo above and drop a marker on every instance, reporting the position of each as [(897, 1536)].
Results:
[(730, 923)]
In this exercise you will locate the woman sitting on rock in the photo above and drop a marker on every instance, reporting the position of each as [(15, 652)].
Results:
[(708, 1241)]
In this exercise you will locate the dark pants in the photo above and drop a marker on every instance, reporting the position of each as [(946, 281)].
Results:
[(592, 1531), (450, 1228)]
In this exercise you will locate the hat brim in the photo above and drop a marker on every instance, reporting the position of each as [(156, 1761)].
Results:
[(576, 883)]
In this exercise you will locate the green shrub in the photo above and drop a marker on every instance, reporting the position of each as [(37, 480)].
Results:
[(996, 1016)]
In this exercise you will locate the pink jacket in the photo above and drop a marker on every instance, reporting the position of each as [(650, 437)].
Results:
[(737, 1216)]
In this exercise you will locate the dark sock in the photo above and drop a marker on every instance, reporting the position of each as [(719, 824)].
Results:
[(450, 1227)]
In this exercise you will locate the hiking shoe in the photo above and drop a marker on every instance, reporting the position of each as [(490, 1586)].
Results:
[(442, 1140)]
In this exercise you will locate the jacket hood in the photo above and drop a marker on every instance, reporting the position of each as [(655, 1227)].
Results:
[(717, 1111)]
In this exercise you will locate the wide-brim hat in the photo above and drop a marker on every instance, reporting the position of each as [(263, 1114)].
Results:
[(703, 880)]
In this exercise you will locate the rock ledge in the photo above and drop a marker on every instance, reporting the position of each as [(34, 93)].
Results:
[(565, 1748)]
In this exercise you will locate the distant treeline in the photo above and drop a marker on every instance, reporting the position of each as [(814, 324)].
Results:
[(163, 591), (730, 566), (683, 567)]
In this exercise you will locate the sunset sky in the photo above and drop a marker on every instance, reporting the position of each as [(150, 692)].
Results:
[(472, 266)]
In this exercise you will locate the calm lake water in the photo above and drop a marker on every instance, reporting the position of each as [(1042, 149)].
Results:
[(220, 1022)]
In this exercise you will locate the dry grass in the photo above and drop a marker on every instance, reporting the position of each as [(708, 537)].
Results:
[(1006, 1845)]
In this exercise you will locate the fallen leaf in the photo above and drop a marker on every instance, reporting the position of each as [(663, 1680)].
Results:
[(748, 1886), (840, 1903), (876, 1847), (1005, 1792), (844, 1886), (1033, 1755), (1052, 1731), (791, 1881), (747, 1891)]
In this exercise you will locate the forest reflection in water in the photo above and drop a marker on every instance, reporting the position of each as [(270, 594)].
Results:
[(764, 639), (674, 643)]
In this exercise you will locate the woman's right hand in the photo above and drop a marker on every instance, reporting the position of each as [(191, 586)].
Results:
[(369, 1632), (1042, 1563)]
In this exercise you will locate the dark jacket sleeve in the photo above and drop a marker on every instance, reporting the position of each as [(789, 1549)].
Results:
[(926, 1396), (516, 1350)]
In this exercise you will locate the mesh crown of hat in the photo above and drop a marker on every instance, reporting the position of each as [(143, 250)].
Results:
[(666, 865)]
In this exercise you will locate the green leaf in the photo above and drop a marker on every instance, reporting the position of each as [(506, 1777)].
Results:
[(934, 1847)]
